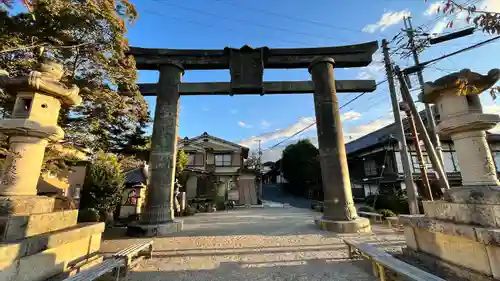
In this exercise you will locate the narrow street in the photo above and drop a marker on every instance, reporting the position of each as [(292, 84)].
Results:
[(275, 193)]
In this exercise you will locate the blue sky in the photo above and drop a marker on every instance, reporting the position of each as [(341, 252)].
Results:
[(215, 24)]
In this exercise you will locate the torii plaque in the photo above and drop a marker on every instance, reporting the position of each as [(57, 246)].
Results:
[(246, 66)]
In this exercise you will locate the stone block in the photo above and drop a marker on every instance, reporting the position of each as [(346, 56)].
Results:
[(454, 249), (488, 236), (359, 225), (411, 240), (151, 230), (53, 261), (9, 252), (439, 267), (493, 252), (16, 227), (8, 270), (474, 195), (26, 205), (475, 214)]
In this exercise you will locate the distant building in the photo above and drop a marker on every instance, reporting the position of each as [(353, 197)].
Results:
[(375, 161), (215, 172), (218, 164), (67, 182)]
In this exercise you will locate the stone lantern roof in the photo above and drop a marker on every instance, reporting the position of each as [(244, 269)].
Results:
[(464, 82), (45, 80)]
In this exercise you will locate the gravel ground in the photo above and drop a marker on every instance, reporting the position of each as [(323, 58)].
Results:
[(254, 244)]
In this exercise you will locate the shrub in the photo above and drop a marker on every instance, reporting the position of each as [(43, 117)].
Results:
[(367, 209), (387, 213), (103, 185), (89, 215), (190, 211), (396, 202)]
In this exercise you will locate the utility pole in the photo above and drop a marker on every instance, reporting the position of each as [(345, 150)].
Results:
[(400, 135), (436, 163), (418, 149), (431, 122), (259, 161)]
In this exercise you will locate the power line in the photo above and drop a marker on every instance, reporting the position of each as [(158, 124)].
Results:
[(322, 24), (314, 123), (168, 3), (430, 62), (215, 27)]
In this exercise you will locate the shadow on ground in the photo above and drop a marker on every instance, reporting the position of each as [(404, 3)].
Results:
[(312, 269)]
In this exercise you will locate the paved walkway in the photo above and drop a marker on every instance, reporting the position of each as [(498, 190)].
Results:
[(254, 244)]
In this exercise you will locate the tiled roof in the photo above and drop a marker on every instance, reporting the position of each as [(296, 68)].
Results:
[(135, 176)]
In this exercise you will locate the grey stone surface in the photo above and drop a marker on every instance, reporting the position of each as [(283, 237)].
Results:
[(159, 205), (38, 243), (359, 225), (152, 230), (25, 205), (476, 214), (338, 202), (474, 195), (17, 227), (255, 244), (488, 236), (441, 268)]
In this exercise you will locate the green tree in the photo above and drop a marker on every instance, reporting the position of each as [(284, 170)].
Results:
[(103, 185), (300, 165), (181, 162), (87, 37)]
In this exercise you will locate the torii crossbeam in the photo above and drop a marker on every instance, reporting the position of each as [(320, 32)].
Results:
[(246, 66)]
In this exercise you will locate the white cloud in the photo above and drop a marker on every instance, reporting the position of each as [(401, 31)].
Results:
[(440, 26), (265, 124), (375, 69), (490, 6), (350, 133), (301, 124), (351, 115), (233, 111), (244, 125), (433, 8), (280, 133), (388, 19), (205, 108), (493, 109), (358, 131)]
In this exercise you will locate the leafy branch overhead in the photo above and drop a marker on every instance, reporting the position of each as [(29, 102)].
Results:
[(87, 37), (488, 21)]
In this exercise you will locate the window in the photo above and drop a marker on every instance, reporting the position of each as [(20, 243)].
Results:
[(222, 160), (496, 158), (191, 159), (370, 168)]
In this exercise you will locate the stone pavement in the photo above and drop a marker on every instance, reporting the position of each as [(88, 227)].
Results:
[(254, 244)]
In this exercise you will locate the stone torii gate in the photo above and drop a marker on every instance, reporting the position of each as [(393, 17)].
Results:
[(246, 66)]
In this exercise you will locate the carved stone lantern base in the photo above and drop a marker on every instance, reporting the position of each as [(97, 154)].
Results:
[(460, 236)]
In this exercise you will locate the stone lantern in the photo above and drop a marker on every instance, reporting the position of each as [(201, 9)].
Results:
[(32, 125), (39, 238), (457, 99), (461, 234)]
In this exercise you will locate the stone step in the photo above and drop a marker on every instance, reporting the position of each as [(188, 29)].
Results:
[(39, 257)]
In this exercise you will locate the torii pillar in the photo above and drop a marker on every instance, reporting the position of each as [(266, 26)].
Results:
[(339, 212), (158, 216)]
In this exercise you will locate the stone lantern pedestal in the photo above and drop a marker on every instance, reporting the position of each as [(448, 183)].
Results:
[(461, 234), (38, 238)]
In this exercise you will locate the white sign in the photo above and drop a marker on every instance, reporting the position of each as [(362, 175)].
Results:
[(233, 195)]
